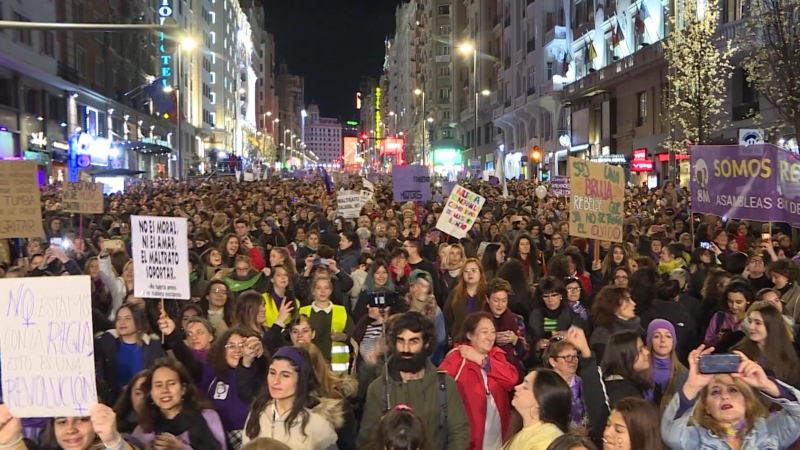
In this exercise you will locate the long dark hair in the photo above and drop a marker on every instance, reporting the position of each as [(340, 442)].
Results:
[(777, 354), (247, 309), (139, 319), (641, 285), (228, 309), (643, 421), (619, 357), (192, 401), (306, 384), (124, 406), (554, 397), (216, 356)]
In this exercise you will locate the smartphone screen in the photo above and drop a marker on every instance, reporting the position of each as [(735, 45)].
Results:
[(56, 241), (765, 237)]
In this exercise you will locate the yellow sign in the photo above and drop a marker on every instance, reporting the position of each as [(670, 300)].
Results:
[(598, 198)]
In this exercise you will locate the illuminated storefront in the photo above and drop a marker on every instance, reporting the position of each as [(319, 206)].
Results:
[(447, 162), (684, 169)]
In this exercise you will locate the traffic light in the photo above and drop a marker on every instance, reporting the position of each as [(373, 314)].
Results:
[(172, 115), (364, 136), (536, 154)]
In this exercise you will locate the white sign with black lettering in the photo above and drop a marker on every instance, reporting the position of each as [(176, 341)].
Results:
[(160, 257), (349, 204)]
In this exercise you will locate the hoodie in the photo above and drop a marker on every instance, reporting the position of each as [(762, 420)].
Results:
[(319, 433)]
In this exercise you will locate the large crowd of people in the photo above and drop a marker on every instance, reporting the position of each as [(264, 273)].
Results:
[(309, 331)]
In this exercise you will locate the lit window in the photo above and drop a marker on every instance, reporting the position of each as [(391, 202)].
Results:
[(213, 17), (213, 37), (213, 78)]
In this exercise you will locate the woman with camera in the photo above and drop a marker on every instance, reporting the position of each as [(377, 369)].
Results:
[(724, 410)]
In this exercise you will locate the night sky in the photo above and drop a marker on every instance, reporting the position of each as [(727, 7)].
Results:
[(332, 43)]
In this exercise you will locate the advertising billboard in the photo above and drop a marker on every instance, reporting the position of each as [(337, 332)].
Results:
[(350, 145)]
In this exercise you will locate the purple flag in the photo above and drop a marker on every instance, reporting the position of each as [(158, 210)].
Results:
[(299, 174), (447, 187), (755, 182), (411, 183), (494, 181)]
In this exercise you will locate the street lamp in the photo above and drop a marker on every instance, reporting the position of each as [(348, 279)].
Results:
[(421, 93), (187, 44)]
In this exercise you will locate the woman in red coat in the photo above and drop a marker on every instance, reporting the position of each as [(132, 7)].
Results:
[(484, 378)]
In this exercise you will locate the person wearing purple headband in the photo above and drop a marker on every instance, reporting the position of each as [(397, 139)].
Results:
[(288, 411)]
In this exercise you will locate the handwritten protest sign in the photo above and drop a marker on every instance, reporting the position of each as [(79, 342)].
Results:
[(460, 212), (160, 257), (598, 196), (20, 200), (47, 346), (348, 203), (411, 183), (82, 197), (559, 186), (368, 185)]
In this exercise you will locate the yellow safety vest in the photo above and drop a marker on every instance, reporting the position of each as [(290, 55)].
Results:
[(340, 351), (271, 310)]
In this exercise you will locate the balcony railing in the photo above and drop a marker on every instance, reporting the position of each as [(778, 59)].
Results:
[(68, 73)]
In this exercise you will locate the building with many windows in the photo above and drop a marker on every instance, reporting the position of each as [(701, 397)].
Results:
[(323, 137)]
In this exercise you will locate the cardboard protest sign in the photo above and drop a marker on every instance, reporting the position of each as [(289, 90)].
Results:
[(598, 197), (82, 197), (460, 212), (47, 346), (20, 200), (160, 255), (349, 204)]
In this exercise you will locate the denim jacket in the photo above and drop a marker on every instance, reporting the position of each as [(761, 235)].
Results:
[(778, 431)]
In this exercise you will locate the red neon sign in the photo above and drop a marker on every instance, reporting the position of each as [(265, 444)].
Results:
[(640, 162), (664, 157), (392, 146)]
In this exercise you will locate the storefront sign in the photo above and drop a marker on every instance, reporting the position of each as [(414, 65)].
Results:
[(38, 140), (640, 162), (664, 157), (598, 194), (751, 136), (155, 141), (609, 159), (391, 146), (41, 158)]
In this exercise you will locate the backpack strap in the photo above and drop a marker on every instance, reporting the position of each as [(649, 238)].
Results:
[(442, 378)]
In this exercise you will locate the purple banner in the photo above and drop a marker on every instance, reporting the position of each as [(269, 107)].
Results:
[(559, 186), (756, 182), (411, 183), (447, 187), (494, 181), (299, 174)]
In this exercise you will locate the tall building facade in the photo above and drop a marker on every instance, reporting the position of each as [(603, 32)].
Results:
[(291, 107), (323, 137)]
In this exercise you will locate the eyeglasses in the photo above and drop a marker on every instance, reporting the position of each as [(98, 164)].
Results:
[(232, 345), (219, 291), (621, 277), (471, 270), (573, 289), (567, 358)]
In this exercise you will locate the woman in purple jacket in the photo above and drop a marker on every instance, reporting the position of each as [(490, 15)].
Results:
[(176, 416), (215, 376)]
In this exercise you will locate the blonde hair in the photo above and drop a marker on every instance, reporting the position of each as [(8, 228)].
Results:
[(754, 409), (329, 382), (263, 443)]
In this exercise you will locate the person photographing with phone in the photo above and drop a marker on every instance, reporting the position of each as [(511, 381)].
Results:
[(719, 406)]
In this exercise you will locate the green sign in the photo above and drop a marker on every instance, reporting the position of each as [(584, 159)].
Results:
[(41, 158), (447, 157), (352, 123)]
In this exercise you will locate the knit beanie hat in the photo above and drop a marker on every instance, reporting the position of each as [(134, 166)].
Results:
[(657, 324)]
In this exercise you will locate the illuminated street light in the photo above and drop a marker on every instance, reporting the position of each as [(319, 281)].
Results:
[(486, 92), (417, 91), (168, 89), (188, 44), (466, 48)]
